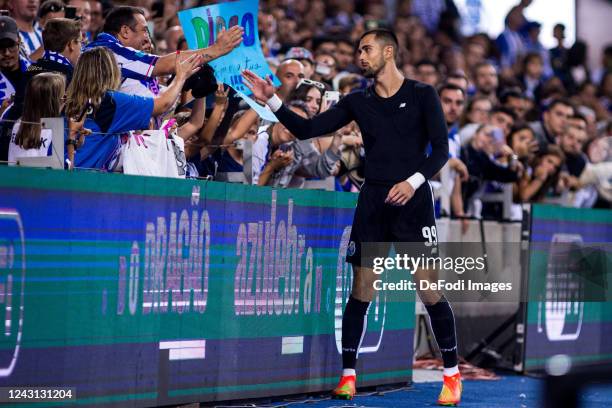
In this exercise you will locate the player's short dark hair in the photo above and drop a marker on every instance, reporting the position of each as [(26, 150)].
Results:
[(450, 87), (386, 37), (58, 32), (504, 110), (119, 17)]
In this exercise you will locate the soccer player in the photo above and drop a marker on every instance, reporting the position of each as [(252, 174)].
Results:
[(398, 118)]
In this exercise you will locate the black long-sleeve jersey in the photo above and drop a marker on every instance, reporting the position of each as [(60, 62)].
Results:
[(396, 130)]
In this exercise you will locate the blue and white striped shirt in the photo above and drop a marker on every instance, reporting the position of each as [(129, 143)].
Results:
[(133, 63), (31, 40), (57, 57)]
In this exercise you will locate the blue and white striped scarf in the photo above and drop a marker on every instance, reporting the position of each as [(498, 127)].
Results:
[(57, 57)]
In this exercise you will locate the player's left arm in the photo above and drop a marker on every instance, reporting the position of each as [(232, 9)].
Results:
[(437, 134)]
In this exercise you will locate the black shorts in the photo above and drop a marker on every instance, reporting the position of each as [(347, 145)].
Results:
[(378, 222)]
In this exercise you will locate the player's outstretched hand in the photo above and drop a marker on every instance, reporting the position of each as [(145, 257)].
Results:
[(262, 89), (400, 194)]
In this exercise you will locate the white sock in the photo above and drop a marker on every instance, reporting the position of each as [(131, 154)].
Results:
[(449, 372), (348, 371)]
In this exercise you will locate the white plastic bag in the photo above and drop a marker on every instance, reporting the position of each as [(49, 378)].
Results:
[(158, 153)]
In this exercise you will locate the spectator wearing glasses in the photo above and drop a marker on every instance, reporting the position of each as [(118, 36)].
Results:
[(48, 10), (12, 64), (12, 78)]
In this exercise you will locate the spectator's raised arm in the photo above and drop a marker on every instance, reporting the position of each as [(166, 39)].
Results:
[(242, 126), (205, 135), (184, 69), (226, 42), (196, 120)]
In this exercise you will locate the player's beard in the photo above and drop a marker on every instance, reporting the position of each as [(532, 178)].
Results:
[(372, 72)]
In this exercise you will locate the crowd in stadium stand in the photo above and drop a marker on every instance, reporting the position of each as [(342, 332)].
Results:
[(519, 115)]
